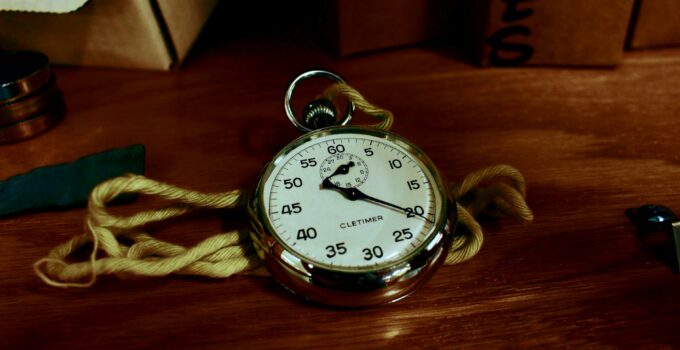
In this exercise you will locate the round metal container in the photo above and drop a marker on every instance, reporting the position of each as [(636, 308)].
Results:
[(30, 101)]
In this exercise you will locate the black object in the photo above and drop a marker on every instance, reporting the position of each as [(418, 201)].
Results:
[(68, 184), (319, 113), (652, 218)]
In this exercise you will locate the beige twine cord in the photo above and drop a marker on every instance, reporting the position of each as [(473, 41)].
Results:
[(496, 191), (384, 116)]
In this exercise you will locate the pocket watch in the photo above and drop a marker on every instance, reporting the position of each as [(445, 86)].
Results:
[(350, 216)]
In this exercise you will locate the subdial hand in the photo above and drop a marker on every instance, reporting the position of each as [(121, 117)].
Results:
[(355, 194), (342, 170)]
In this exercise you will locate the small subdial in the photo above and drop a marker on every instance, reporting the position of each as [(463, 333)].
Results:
[(357, 170)]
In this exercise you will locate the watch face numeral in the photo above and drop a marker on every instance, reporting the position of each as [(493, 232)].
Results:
[(413, 185), (333, 149), (309, 162), (402, 235), (394, 164), (291, 209), (370, 253), (304, 234), (350, 200), (336, 249), (415, 211), (294, 182)]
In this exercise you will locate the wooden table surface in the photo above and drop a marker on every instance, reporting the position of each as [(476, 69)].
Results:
[(591, 143)]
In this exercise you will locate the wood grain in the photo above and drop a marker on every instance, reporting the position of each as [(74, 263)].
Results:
[(591, 143)]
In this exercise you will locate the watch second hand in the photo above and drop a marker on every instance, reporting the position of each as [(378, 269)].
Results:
[(354, 194)]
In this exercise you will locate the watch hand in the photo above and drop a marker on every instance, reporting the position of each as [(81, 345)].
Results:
[(342, 170), (354, 194)]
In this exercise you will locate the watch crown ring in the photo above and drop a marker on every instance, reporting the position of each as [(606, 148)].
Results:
[(299, 79)]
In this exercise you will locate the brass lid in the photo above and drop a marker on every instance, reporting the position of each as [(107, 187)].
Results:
[(31, 127), (30, 101), (31, 105), (22, 73)]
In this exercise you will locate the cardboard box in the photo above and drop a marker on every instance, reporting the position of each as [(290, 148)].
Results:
[(147, 34), (657, 24), (554, 32), (354, 26)]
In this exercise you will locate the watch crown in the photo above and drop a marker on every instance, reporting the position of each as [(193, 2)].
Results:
[(319, 113)]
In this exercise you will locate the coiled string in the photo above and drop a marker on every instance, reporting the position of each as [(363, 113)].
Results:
[(497, 191)]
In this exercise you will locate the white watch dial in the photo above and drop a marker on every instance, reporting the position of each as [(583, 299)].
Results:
[(352, 201)]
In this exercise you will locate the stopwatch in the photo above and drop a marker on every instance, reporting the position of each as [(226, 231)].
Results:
[(351, 216)]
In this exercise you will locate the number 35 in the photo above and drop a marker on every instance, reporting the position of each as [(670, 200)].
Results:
[(337, 249)]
